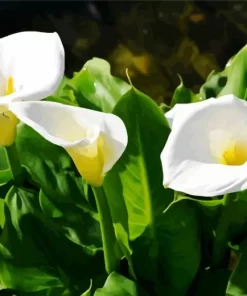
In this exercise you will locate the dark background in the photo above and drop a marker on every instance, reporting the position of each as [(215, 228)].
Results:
[(155, 40)]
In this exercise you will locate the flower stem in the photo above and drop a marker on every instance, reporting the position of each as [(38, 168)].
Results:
[(107, 230), (14, 163)]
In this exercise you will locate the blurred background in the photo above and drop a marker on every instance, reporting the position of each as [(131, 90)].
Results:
[(155, 40)]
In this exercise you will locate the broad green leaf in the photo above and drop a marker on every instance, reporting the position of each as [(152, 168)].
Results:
[(183, 95), (95, 88), (237, 75), (118, 285), (179, 237), (34, 251), (138, 196)]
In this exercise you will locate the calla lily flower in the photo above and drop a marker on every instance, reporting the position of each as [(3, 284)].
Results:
[(206, 151), (32, 67), (94, 140)]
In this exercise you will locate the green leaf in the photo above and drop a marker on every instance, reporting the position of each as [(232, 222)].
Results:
[(60, 90), (231, 226), (183, 95), (3, 159), (138, 196), (180, 262), (34, 251), (5, 172), (88, 292), (48, 207), (117, 285), (236, 75), (95, 88), (77, 225), (2, 216), (213, 85), (237, 285)]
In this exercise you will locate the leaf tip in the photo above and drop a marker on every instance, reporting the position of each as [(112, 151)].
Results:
[(127, 74)]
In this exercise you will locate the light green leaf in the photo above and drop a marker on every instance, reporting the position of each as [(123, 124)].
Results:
[(117, 285), (88, 292), (95, 88), (236, 75)]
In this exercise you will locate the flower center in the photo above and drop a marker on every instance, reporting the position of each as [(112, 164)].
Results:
[(235, 154), (9, 86)]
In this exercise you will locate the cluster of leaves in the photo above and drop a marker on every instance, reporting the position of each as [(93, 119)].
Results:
[(169, 243)]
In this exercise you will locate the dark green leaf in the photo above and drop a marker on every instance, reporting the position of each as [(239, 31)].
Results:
[(179, 237), (211, 282), (183, 95), (36, 256), (237, 285)]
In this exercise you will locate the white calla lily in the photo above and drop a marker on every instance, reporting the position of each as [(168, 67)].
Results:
[(180, 110), (94, 140), (31, 68), (206, 151)]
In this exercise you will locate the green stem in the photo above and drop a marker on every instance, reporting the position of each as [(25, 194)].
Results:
[(107, 230), (14, 163)]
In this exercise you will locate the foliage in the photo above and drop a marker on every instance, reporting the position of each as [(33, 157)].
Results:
[(169, 243)]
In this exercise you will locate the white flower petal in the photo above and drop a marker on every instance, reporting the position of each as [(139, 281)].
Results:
[(95, 140), (35, 61), (190, 157), (180, 110)]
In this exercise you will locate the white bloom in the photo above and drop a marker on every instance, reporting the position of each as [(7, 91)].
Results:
[(206, 152), (31, 68), (94, 140)]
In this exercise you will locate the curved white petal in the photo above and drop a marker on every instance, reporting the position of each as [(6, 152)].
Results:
[(190, 159), (95, 140), (182, 109), (35, 61)]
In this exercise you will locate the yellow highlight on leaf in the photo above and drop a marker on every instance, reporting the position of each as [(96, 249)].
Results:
[(89, 161), (235, 154)]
